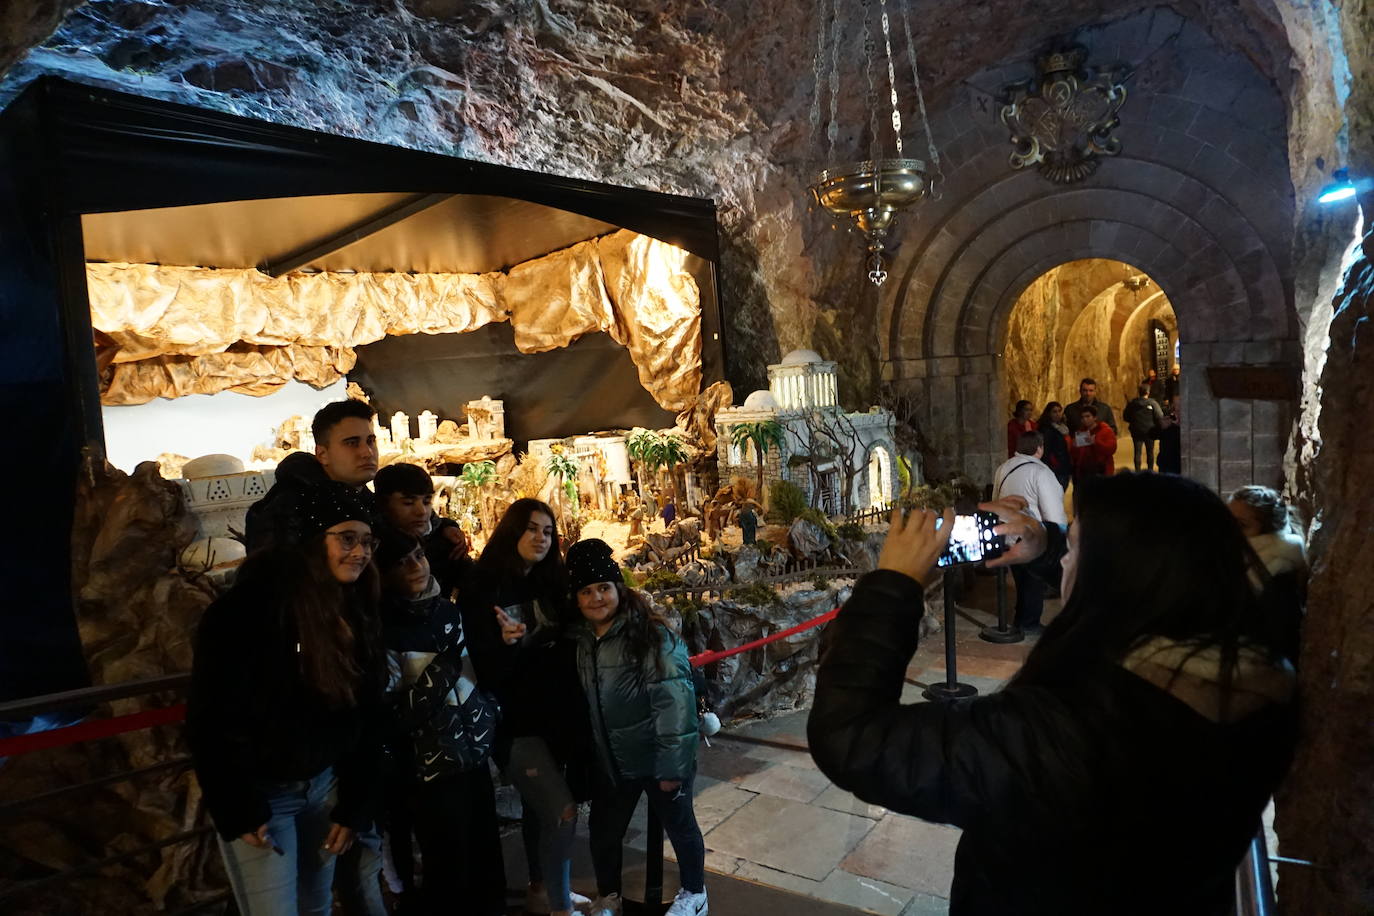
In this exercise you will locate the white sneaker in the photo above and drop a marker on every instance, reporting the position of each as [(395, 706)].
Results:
[(687, 903), (537, 901), (606, 906), (578, 901)]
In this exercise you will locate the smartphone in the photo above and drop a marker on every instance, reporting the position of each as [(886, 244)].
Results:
[(972, 540)]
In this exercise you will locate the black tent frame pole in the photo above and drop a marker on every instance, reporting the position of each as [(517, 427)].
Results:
[(951, 689), (653, 870)]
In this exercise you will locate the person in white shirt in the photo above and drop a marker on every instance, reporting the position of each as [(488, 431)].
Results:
[(1025, 475)]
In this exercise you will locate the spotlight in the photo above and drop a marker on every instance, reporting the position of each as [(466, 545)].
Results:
[(1340, 189)]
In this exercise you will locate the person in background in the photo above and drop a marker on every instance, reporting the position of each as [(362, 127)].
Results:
[(1170, 443), (1172, 388), (405, 500), (1143, 415), (1056, 434), (1025, 475), (638, 683), (1087, 397), (1019, 423), (1142, 719), (1270, 528), (520, 577), (345, 452), (1154, 384), (1093, 448), (442, 728), (285, 718)]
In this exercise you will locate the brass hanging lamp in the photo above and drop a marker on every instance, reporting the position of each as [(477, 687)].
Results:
[(870, 193)]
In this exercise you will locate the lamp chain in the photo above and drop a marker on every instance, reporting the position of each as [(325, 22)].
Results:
[(869, 47), (832, 132), (818, 72), (920, 96), (892, 81)]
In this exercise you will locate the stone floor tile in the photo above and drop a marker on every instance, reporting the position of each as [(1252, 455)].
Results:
[(926, 905), (789, 836), (785, 781), (727, 764), (799, 757), (907, 852), (837, 799), (762, 874), (868, 894), (789, 726), (721, 864), (715, 803)]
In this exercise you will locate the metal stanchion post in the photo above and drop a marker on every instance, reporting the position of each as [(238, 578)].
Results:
[(1003, 632), (951, 689)]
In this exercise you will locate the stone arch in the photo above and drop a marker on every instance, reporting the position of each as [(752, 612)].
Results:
[(881, 473)]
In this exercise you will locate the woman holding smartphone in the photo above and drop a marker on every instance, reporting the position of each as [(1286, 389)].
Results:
[(638, 682), (1144, 719), (514, 613), (285, 715)]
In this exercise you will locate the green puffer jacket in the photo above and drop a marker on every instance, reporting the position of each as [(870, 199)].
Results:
[(644, 718)]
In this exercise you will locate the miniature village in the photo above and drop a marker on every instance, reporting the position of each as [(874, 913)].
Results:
[(739, 521)]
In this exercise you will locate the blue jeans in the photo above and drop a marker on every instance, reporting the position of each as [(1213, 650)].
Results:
[(300, 881), (544, 797)]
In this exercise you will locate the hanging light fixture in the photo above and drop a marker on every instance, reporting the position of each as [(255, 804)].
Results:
[(869, 193)]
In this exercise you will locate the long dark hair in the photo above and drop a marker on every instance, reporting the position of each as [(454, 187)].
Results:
[(501, 557), (645, 630), (1045, 415), (1176, 536), (337, 626)]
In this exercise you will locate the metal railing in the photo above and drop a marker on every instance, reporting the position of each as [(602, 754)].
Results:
[(82, 732)]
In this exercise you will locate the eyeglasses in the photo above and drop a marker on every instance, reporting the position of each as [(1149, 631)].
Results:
[(351, 539)]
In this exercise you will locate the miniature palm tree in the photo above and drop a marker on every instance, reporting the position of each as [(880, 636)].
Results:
[(639, 444), (668, 452), (475, 478), (762, 433), (565, 468)]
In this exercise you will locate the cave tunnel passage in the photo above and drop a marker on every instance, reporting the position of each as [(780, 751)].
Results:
[(1094, 318)]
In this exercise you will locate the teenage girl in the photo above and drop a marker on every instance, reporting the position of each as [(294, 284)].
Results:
[(638, 682), (514, 612), (285, 713)]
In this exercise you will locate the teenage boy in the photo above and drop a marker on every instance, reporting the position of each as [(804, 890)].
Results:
[(440, 737), (405, 500)]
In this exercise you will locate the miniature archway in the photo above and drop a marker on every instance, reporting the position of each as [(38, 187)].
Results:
[(879, 476)]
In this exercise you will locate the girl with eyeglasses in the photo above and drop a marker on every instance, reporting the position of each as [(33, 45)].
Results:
[(284, 719)]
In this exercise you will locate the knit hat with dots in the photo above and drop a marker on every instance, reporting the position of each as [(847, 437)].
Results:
[(589, 562), (327, 504)]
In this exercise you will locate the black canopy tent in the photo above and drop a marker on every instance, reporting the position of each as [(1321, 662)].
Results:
[(68, 151)]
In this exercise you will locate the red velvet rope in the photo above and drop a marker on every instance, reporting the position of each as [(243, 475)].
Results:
[(92, 730), (707, 658)]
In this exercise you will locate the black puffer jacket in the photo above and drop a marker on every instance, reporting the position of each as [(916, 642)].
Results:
[(1118, 792), (251, 720)]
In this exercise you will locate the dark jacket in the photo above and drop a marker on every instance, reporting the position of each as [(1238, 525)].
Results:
[(1065, 794), (534, 680), (275, 520), (1056, 456), (251, 720), (1142, 415), (644, 716), (1170, 457), (441, 709)]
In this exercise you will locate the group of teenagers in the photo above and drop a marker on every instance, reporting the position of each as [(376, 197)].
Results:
[(1080, 438), (352, 689)]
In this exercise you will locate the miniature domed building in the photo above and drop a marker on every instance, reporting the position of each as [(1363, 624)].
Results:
[(803, 397)]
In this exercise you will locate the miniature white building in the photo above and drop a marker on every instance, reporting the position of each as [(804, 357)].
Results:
[(820, 439)]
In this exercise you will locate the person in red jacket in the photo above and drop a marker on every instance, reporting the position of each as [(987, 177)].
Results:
[(1019, 423), (1093, 447)]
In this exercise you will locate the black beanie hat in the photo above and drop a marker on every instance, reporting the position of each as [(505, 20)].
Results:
[(327, 504), (591, 561)]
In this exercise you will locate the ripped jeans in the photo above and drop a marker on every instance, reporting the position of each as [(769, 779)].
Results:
[(548, 835)]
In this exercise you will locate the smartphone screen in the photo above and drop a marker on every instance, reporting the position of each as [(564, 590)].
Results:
[(972, 540)]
